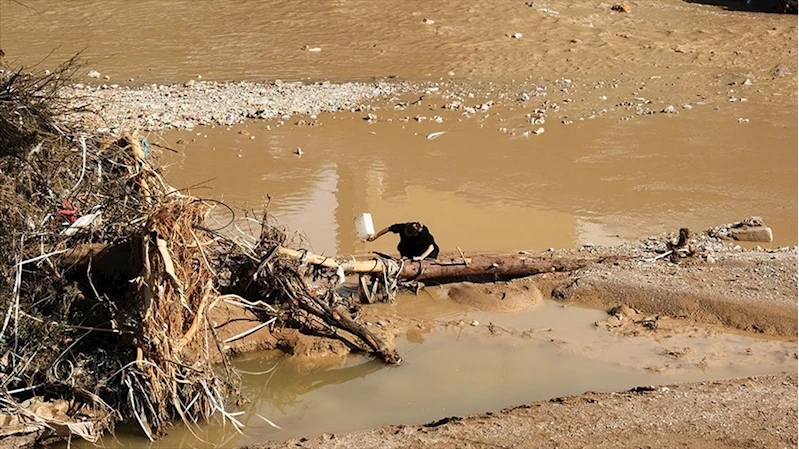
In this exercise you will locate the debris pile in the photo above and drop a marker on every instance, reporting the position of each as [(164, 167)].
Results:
[(751, 229), (109, 278)]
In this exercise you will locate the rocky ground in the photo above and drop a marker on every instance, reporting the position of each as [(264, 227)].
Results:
[(196, 103)]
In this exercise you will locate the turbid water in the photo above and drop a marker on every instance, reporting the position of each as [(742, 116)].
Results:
[(476, 188), (454, 370), (151, 41)]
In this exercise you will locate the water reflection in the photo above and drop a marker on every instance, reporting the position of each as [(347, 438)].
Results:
[(275, 383), (595, 182)]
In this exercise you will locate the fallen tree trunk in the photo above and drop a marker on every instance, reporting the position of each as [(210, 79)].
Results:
[(493, 268), (476, 268)]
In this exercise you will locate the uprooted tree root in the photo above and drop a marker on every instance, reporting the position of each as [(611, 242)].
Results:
[(108, 275)]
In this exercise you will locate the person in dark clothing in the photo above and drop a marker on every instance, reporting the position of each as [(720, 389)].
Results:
[(416, 242)]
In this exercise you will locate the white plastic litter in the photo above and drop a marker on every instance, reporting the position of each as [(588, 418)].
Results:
[(364, 226), (82, 223)]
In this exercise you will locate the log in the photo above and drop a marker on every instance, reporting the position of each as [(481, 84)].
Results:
[(350, 266), (482, 268), (476, 268)]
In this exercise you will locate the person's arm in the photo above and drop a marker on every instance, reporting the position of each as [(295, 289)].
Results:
[(374, 237), (425, 254)]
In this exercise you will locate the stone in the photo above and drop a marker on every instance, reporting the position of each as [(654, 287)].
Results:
[(752, 234), (475, 323), (670, 110), (779, 71), (621, 7), (539, 131), (94, 74)]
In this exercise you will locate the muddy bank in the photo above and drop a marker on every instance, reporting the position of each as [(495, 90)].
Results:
[(728, 289), (749, 290), (750, 412)]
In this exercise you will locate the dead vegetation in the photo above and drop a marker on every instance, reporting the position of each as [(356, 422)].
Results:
[(108, 274)]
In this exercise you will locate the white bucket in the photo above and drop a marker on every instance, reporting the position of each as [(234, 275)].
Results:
[(364, 226)]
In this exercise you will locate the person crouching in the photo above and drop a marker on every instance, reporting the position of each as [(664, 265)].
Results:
[(416, 242)]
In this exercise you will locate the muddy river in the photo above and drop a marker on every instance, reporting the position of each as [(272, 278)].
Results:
[(592, 182), (482, 186), (150, 41), (455, 370)]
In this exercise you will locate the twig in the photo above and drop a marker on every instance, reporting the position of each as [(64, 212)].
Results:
[(661, 256), (238, 299), (83, 170), (251, 331), (20, 390), (132, 400), (269, 422), (465, 260)]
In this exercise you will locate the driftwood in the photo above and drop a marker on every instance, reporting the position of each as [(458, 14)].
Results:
[(493, 268), (337, 318), (475, 268)]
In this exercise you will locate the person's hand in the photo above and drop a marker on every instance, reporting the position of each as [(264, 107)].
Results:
[(371, 238), (416, 258)]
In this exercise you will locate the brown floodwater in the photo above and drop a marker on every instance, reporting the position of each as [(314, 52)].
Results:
[(157, 41), (456, 371), (595, 181)]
